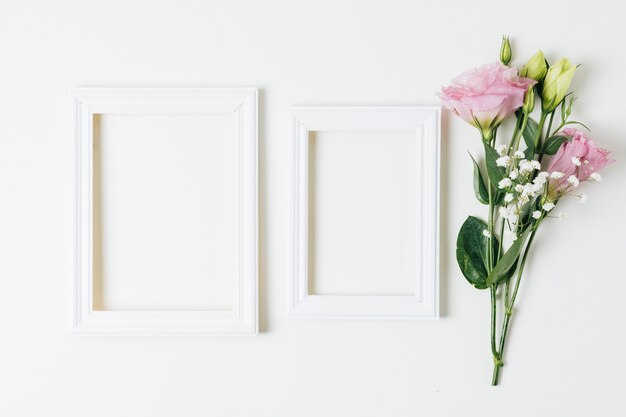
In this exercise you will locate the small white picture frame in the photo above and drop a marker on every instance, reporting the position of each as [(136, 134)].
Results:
[(242, 103), (424, 303)]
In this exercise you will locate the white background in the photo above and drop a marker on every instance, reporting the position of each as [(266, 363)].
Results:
[(566, 355)]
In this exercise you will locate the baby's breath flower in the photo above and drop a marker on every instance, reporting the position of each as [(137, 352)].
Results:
[(502, 149), (573, 180), (535, 164), (508, 197), (575, 161), (548, 206), (583, 198), (536, 214), (557, 175), (503, 161), (525, 167), (513, 174), (518, 154), (595, 177), (543, 174), (486, 233), (504, 183), (519, 188), (523, 199)]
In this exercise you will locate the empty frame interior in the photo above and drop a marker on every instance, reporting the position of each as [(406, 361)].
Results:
[(362, 212), (163, 211)]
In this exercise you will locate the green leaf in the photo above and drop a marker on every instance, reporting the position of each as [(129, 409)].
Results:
[(572, 122), (494, 172), (553, 144), (504, 265), (479, 184), (529, 134), (471, 252)]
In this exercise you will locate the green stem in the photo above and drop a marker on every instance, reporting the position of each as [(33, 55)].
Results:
[(494, 350), (538, 141), (518, 134), (508, 310), (547, 133)]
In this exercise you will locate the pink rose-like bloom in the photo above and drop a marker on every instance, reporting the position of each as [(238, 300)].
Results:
[(485, 96), (580, 148)]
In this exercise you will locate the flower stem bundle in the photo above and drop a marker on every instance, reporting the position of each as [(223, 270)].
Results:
[(521, 180)]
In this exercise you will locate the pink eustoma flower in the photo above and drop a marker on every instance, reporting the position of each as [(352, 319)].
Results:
[(485, 96), (579, 157)]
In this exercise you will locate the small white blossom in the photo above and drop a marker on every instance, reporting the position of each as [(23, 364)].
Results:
[(508, 197), (508, 214), (525, 166), (535, 164), (543, 174), (575, 161), (556, 175), (547, 206), (513, 174), (523, 199), (595, 177), (537, 188), (518, 154), (486, 233), (562, 216), (583, 198), (519, 188), (503, 161), (536, 214), (528, 189), (573, 180), (504, 183), (502, 149)]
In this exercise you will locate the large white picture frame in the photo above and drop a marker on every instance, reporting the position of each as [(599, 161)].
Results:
[(425, 122), (242, 319)]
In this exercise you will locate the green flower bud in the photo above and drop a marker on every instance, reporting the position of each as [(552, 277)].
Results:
[(529, 101), (505, 51), (536, 67), (557, 82)]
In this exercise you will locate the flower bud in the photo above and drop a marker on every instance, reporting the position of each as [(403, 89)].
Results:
[(536, 67), (557, 82), (505, 51), (529, 101)]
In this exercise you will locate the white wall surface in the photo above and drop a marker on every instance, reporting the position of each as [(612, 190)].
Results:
[(566, 356)]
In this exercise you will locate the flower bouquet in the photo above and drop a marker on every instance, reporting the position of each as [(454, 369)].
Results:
[(544, 161)]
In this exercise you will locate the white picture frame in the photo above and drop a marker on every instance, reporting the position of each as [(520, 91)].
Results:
[(424, 303), (84, 103)]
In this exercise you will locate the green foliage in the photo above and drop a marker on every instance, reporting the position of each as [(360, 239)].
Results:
[(503, 268), (552, 144), (479, 184), (495, 173), (471, 251), (530, 134)]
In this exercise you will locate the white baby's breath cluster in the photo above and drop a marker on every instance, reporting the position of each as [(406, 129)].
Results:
[(523, 184)]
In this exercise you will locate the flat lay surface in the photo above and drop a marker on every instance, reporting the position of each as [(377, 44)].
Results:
[(565, 356)]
